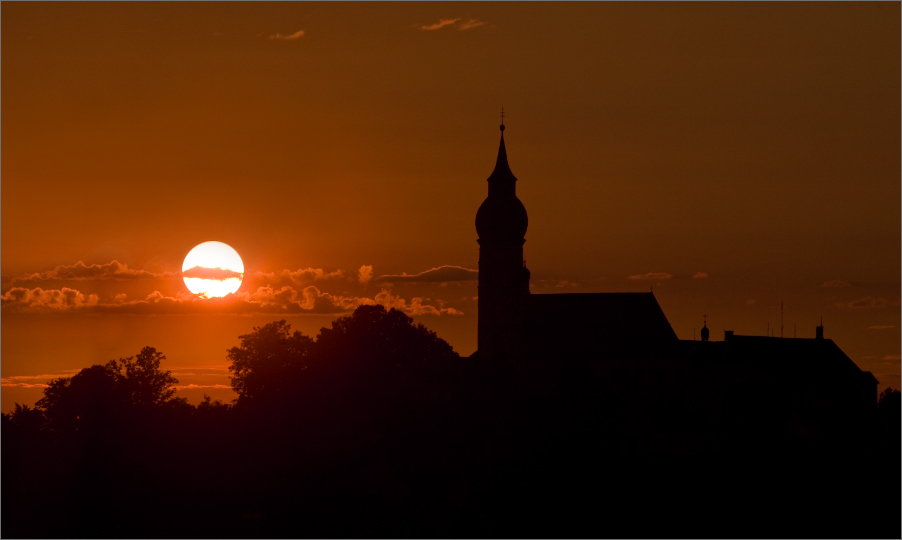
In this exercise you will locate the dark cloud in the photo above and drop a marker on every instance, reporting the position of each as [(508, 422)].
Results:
[(442, 274), (700, 275), (81, 271), (836, 284), (219, 274)]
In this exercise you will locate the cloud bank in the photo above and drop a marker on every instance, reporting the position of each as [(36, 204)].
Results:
[(264, 300), (81, 271)]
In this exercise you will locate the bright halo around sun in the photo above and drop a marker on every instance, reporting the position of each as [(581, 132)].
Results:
[(213, 269)]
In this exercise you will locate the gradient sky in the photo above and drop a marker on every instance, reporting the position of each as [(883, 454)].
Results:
[(732, 156)]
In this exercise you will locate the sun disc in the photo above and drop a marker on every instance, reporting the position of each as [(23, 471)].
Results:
[(213, 269)]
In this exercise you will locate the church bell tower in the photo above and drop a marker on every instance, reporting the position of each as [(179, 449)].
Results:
[(503, 278)]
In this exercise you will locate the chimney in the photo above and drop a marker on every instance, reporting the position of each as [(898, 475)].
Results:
[(819, 331), (727, 334)]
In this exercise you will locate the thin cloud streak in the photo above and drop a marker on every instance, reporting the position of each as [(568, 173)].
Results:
[(651, 276), (441, 274), (441, 24), (472, 23), (290, 37), (871, 302)]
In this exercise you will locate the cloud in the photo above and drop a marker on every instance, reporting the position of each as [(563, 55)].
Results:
[(218, 274), (55, 299), (290, 37), (835, 284), (870, 302), (466, 25), (28, 381), (652, 275), (442, 274), (891, 357), (365, 274), (265, 300), (81, 271), (415, 307), (751, 302), (290, 278), (700, 275), (881, 327), (193, 386), (441, 24)]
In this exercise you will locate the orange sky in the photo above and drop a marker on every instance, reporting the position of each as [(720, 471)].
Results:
[(756, 143)]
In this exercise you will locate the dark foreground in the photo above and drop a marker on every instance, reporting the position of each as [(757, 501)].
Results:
[(466, 448)]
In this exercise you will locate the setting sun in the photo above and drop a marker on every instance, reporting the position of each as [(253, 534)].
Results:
[(213, 269)]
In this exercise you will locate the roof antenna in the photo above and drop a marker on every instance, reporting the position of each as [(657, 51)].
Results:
[(781, 318), (502, 120)]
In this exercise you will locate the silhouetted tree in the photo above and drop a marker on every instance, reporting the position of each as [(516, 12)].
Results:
[(96, 396), (142, 380), (374, 346), (889, 417), (23, 419), (267, 359), (890, 400), (89, 399)]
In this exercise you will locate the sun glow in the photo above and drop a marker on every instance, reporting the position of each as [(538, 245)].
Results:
[(213, 269)]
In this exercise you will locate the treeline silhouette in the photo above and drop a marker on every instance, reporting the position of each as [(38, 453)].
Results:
[(377, 428)]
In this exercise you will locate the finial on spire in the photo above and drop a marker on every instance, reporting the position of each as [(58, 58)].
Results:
[(502, 119)]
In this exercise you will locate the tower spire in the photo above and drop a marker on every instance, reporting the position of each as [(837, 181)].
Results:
[(502, 170)]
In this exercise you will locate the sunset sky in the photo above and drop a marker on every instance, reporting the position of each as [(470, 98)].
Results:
[(731, 156)]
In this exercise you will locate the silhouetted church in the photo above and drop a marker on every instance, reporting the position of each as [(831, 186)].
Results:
[(627, 339)]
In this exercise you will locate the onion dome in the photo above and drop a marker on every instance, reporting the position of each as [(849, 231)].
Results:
[(502, 217)]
